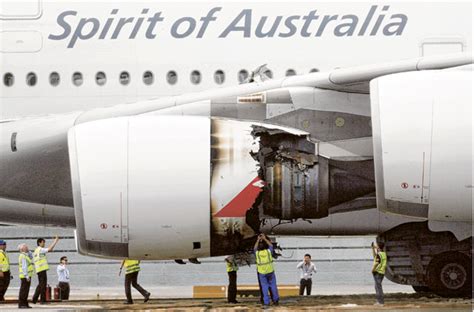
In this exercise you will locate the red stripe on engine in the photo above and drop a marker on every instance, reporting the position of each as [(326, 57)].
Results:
[(239, 205)]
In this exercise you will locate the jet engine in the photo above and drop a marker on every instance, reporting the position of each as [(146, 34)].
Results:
[(161, 187)]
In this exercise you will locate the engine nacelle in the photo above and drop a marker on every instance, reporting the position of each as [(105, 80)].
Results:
[(174, 187), (422, 128)]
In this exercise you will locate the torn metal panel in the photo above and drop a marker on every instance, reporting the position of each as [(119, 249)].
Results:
[(235, 184), (299, 183), (238, 179)]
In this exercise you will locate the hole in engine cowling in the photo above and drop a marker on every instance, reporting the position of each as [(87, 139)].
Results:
[(299, 184)]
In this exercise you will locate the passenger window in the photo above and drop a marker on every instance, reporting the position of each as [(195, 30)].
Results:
[(172, 77), (269, 73), (148, 78), (243, 75), (31, 79), (124, 78), (77, 79), (313, 70), (8, 79), (54, 79), (219, 77), (290, 72), (100, 78), (195, 77)]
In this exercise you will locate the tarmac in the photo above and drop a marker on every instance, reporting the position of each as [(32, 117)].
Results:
[(393, 302), (318, 302)]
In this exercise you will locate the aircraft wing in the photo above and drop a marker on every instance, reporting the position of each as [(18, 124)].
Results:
[(352, 79)]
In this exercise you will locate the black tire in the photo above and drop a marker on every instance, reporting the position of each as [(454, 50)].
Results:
[(450, 275), (422, 289)]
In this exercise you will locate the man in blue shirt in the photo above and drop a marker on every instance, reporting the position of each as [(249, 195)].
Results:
[(63, 278)]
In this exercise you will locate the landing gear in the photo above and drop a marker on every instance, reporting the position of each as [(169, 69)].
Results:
[(450, 274), (435, 262)]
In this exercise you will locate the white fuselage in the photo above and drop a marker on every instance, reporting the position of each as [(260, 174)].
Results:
[(213, 38)]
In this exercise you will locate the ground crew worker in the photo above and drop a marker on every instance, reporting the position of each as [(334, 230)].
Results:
[(26, 269), (4, 270), (232, 269), (132, 267), (63, 278), (306, 268), (42, 267), (378, 270), (260, 284), (266, 273)]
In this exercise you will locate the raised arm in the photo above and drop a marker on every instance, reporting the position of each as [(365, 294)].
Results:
[(255, 247), (51, 247), (300, 265), (374, 249)]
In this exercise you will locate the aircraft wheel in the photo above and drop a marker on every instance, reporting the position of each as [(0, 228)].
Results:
[(450, 275)]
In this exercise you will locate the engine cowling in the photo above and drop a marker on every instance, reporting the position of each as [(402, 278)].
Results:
[(173, 187), (424, 164)]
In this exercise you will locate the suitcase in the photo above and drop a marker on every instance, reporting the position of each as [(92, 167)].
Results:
[(57, 293), (48, 293)]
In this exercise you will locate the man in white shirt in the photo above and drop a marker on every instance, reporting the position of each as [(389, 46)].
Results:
[(307, 269), (63, 278), (41, 268)]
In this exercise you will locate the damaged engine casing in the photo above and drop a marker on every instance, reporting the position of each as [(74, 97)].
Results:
[(299, 183), (129, 175)]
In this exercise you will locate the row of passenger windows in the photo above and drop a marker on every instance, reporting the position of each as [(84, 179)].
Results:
[(148, 77)]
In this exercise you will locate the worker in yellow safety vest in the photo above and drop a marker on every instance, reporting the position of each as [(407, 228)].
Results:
[(4, 270), (266, 273), (42, 267), (26, 269), (232, 269), (132, 267), (378, 270)]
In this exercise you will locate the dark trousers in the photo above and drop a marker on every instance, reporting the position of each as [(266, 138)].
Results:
[(24, 290), (41, 288), (305, 283), (131, 279), (4, 283), (64, 290), (378, 278), (232, 289)]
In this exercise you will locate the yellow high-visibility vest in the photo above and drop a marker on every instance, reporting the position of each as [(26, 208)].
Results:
[(131, 266), (31, 268), (264, 261), (41, 263), (382, 266), (4, 261), (231, 267)]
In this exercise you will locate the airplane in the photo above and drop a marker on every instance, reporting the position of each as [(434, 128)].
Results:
[(143, 126)]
